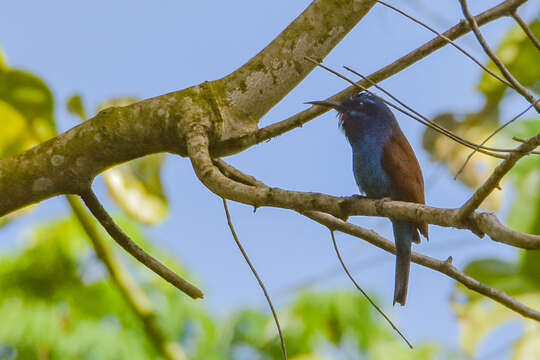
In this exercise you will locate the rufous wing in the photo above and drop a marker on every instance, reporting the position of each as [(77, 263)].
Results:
[(401, 165)]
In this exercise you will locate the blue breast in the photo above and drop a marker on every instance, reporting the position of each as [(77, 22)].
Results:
[(369, 174)]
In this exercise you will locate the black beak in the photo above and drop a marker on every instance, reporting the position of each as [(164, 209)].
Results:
[(328, 103)]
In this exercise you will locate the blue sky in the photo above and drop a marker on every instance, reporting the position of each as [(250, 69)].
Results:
[(104, 49)]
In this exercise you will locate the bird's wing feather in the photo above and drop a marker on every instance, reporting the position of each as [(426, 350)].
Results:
[(400, 163)]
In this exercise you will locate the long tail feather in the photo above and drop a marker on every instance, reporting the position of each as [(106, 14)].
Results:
[(404, 233)]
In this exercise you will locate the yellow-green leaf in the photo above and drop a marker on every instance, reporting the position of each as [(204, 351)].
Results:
[(136, 187), (474, 127), (528, 347), (26, 110), (31, 97), (3, 61), (75, 107), (479, 318)]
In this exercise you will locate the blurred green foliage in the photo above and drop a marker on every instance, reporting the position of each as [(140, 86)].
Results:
[(57, 302), (521, 58), (478, 316)]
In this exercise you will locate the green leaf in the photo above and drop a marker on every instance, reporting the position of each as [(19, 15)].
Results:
[(136, 188), (3, 61), (528, 347), (479, 316), (56, 283), (33, 100), (26, 110), (75, 107)]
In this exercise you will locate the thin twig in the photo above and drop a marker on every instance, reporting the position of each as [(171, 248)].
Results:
[(441, 129), (448, 40), (364, 293), (498, 173), (511, 79), (490, 136), (488, 223), (95, 207), (341, 207), (526, 29), (303, 117), (130, 290), (444, 267), (421, 120), (261, 284), (369, 263)]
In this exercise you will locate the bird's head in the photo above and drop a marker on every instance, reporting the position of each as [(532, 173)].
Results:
[(356, 108), (360, 113)]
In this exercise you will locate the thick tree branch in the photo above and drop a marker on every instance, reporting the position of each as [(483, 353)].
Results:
[(298, 120), (444, 267), (132, 293), (244, 96), (241, 190), (373, 238), (68, 163)]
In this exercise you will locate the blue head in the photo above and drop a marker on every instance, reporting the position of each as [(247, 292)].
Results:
[(363, 114)]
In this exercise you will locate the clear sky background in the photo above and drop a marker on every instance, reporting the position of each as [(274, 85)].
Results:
[(105, 49)]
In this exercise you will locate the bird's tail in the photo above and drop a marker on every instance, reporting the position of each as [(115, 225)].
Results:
[(404, 234)]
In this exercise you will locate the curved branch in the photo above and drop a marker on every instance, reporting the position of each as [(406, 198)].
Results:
[(95, 207), (445, 267), (489, 223), (260, 195), (245, 95), (67, 163), (233, 146)]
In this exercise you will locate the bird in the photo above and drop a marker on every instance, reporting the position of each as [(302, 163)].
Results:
[(384, 166)]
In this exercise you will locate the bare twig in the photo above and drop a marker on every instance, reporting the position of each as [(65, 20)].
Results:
[(485, 221), (368, 263), (132, 293), (261, 284), (341, 207), (95, 207), (492, 135), (511, 79), (444, 267), (364, 293), (493, 181), (413, 114), (420, 119), (297, 120), (424, 120), (526, 29), (447, 39)]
